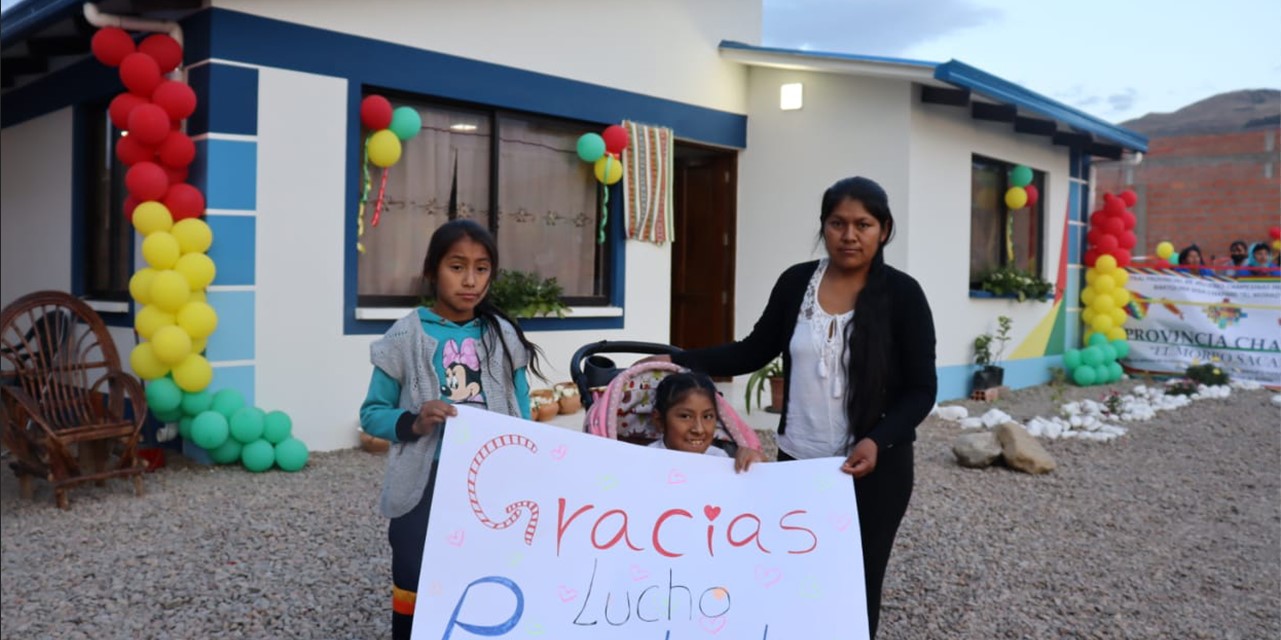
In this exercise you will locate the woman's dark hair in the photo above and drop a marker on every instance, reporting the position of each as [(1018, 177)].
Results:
[(441, 241), (868, 339), (677, 386), (1189, 250)]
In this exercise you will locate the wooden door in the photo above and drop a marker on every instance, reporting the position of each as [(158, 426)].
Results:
[(705, 184)]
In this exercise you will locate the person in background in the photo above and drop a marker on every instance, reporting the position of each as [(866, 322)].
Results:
[(1191, 261), (1238, 254)]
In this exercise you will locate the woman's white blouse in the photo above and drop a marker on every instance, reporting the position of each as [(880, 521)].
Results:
[(817, 425)]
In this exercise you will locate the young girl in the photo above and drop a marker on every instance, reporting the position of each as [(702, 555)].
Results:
[(461, 349), (685, 413)]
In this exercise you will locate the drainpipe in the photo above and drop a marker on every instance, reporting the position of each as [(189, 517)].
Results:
[(130, 23)]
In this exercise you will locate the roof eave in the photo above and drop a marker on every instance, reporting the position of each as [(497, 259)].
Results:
[(899, 69)]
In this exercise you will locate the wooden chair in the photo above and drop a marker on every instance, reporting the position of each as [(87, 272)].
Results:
[(63, 415)]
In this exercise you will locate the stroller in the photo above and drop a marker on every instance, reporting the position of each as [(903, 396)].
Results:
[(620, 402)]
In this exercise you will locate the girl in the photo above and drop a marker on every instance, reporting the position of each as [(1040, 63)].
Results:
[(685, 413), (462, 347)]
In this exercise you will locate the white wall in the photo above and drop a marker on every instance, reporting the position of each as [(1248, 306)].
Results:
[(305, 365), (942, 142), (849, 126), (35, 212), (664, 48)]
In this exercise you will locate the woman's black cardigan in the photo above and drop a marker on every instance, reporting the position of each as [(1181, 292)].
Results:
[(911, 383)]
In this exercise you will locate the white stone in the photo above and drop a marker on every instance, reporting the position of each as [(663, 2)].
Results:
[(995, 417), (952, 413), (972, 423)]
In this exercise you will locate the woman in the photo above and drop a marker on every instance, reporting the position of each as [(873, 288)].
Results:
[(1191, 261), (857, 339)]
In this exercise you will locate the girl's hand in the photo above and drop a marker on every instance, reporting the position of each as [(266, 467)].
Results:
[(745, 457), (431, 414), (862, 460)]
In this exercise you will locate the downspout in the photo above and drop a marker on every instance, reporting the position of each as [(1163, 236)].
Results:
[(129, 23)]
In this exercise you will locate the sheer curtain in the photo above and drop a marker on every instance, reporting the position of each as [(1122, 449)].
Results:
[(417, 198), (547, 203), (986, 223)]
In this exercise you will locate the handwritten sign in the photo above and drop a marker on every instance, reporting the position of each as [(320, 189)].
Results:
[(541, 532)]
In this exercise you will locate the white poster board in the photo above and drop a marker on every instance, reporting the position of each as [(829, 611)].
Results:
[(541, 532), (1179, 319)]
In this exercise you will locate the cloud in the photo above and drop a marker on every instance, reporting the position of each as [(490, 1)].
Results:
[(874, 27), (1122, 101)]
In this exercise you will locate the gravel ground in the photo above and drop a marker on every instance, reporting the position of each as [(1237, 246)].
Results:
[(1171, 531)]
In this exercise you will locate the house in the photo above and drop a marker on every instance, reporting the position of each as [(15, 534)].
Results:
[(503, 91)]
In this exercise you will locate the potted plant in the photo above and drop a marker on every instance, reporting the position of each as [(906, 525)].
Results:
[(525, 295), (988, 349), (1010, 281), (771, 373)]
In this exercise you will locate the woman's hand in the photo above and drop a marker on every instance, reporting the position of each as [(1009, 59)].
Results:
[(432, 414), (862, 460), (745, 457)]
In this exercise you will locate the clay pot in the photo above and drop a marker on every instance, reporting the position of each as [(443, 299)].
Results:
[(373, 445), (570, 401), (548, 411)]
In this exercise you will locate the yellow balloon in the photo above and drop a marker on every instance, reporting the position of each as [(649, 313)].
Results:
[(161, 250), (1087, 314), (384, 148), (193, 235), (609, 169), (1121, 297), (198, 319), (193, 373), (1118, 316), (171, 345), (169, 290), (1087, 295), (1105, 264), (151, 319), (197, 268), (199, 345), (1276, 245), (1116, 333), (150, 217), (1091, 275), (1164, 250), (1103, 303), (1121, 276), (1101, 322), (140, 285), (145, 363), (1104, 284), (199, 296), (1016, 198)]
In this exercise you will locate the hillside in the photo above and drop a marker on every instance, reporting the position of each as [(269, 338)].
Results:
[(1224, 113)]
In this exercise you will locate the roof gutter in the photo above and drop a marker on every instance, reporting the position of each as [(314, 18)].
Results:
[(129, 23)]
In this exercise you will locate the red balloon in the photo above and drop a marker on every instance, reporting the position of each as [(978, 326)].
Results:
[(1091, 257), (1113, 224), (1129, 220), (140, 73), (184, 201), (1162, 263), (1128, 240), (149, 124), (615, 139), (130, 151), (176, 175), (1113, 204), (177, 151), (164, 50), (375, 112), (1094, 236), (146, 181), (120, 108), (1122, 257), (1274, 233), (110, 45), (129, 205), (1107, 243), (1129, 197), (1033, 194), (176, 98)]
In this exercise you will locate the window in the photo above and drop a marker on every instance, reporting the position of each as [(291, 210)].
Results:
[(107, 247), (999, 237), (519, 175)]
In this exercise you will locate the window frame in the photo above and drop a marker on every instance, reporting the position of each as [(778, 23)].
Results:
[(1040, 180), (604, 262), (93, 143)]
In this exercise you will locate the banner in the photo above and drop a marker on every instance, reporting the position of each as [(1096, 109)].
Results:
[(1179, 319), (540, 532)]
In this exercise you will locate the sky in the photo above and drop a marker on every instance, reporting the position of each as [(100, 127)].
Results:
[(1115, 59)]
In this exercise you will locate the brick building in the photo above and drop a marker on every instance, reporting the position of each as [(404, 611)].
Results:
[(1208, 189)]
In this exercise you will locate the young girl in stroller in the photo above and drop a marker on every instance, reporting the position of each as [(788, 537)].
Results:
[(662, 405)]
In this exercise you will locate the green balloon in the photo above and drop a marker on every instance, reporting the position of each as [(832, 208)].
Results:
[(291, 454), (1091, 356), (209, 430), (1115, 372), (277, 427), (1101, 374), (1098, 340), (1122, 348), (1083, 375), (184, 427), (228, 453), (258, 456), (163, 395), (167, 417), (246, 425), (226, 401), (1072, 359), (194, 404), (1109, 353), (1020, 176), (590, 147), (405, 122)]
